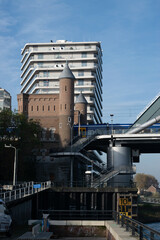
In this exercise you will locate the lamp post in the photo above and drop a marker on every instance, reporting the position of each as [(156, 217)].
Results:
[(112, 155), (92, 175), (15, 163), (71, 128), (111, 115), (79, 122), (71, 171)]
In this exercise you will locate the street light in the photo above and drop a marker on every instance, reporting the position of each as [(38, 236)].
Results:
[(79, 122), (71, 171), (71, 127), (111, 115), (15, 163)]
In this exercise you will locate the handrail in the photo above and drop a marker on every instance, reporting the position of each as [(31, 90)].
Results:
[(24, 190), (136, 228), (108, 174), (82, 142)]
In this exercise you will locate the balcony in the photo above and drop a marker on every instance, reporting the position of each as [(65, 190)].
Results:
[(59, 57)]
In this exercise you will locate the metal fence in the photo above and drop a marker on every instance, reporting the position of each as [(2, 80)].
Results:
[(137, 229)]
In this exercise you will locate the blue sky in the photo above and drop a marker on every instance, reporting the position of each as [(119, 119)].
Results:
[(130, 36)]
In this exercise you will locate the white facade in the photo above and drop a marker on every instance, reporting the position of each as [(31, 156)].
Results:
[(42, 64), (5, 100)]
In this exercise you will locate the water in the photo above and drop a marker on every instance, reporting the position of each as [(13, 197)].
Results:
[(155, 226)]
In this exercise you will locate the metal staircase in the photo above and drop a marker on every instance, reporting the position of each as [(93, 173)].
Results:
[(107, 175), (98, 182), (80, 143)]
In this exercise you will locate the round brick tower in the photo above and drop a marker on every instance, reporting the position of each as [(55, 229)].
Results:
[(66, 106), (81, 110)]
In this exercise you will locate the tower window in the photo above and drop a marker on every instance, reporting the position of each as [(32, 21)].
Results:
[(48, 108), (31, 108), (54, 108), (65, 106), (37, 108), (43, 108), (65, 88)]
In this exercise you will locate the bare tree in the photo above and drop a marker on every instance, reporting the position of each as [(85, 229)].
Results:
[(144, 181)]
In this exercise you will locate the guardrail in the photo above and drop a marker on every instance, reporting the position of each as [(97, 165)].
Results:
[(155, 200), (89, 184), (23, 190)]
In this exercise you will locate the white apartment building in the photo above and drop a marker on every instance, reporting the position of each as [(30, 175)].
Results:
[(5, 100), (42, 64)]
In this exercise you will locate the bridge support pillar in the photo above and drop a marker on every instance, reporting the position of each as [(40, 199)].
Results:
[(119, 158)]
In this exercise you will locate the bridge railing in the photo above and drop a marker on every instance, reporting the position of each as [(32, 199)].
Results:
[(23, 190)]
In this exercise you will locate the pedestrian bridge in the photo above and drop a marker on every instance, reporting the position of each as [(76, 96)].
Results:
[(23, 190)]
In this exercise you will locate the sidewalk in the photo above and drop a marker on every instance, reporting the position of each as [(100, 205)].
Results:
[(118, 232)]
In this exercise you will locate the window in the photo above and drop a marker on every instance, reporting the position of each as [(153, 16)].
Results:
[(48, 108), (54, 108), (65, 106), (52, 131), (80, 73), (31, 108), (65, 88), (46, 83), (80, 82), (40, 56), (86, 46), (46, 74), (40, 64), (84, 63), (84, 55), (93, 73), (58, 56), (43, 108), (37, 108)]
